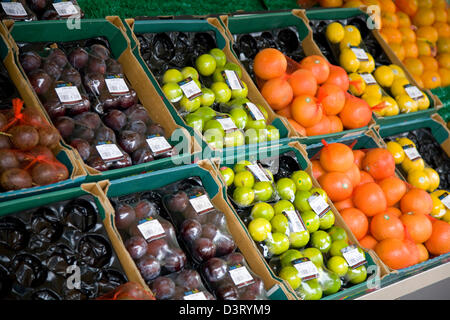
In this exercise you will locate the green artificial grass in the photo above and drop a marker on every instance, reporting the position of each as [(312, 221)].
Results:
[(281, 4)]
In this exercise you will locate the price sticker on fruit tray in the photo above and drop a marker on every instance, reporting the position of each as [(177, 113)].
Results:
[(232, 79), (109, 151), (116, 85), (201, 204), (413, 92), (411, 152), (318, 204), (445, 199), (296, 223), (194, 295), (14, 9), (151, 229), (353, 256), (190, 88), (368, 78), (254, 111), (306, 268), (158, 144), (68, 94), (258, 172), (65, 8), (241, 276), (360, 54), (227, 124)]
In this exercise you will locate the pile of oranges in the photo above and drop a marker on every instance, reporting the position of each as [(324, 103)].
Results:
[(383, 212), (312, 96)]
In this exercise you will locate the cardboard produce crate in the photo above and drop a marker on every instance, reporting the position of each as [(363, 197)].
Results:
[(111, 29)]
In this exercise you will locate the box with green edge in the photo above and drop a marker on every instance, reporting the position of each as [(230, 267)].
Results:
[(77, 173), (367, 140), (443, 93), (103, 211), (343, 14), (295, 150), (212, 26), (236, 25), (206, 171), (112, 30)]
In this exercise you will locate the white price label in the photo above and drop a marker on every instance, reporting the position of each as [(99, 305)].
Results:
[(295, 221), (117, 85), (353, 256), (411, 152), (240, 276), (413, 92), (258, 172), (190, 89), (68, 95), (360, 54), (109, 152), (232, 79), (318, 204), (158, 144), (14, 9), (368, 78), (227, 124), (445, 199), (65, 9), (254, 111), (151, 229), (201, 204), (194, 296), (306, 268)]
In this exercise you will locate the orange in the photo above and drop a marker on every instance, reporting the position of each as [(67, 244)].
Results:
[(332, 99), (403, 20), (369, 198), (277, 92), (358, 156), (352, 4), (440, 15), (418, 81), (336, 157), (439, 242), (337, 185), (392, 35), (322, 127), (335, 124), (297, 127), (393, 211), (387, 6), (385, 226), (365, 178), (354, 175), (444, 73), (368, 242), (303, 82), (407, 34), (440, 4), (427, 33), (285, 112), (394, 253), (414, 65), (357, 221), (317, 169), (443, 29), (443, 45), (424, 48), (425, 3), (379, 163), (417, 201), (306, 111), (269, 63), (389, 20), (411, 49), (431, 79), (407, 6), (423, 252), (444, 60), (417, 226), (318, 66), (394, 189), (344, 204), (331, 3), (429, 63), (423, 17), (399, 50)]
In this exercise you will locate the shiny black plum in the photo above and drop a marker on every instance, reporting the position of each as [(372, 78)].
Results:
[(136, 247), (124, 216)]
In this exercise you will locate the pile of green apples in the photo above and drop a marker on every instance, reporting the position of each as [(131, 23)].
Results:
[(217, 99)]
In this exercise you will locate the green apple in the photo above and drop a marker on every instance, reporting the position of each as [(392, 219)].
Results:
[(262, 135), (240, 93), (356, 275), (189, 72), (241, 166), (338, 233), (337, 246), (321, 192), (190, 105), (234, 67), (216, 144), (172, 91), (244, 179), (243, 196), (194, 121), (205, 64), (214, 137), (301, 200), (221, 91), (255, 124), (239, 117), (327, 220), (289, 256), (234, 139), (228, 175), (290, 274), (206, 113), (219, 55), (299, 239), (310, 290), (251, 136), (269, 174), (277, 243), (311, 220), (314, 255), (262, 210), (286, 189), (259, 229), (280, 223), (321, 240), (331, 283), (217, 75), (338, 265), (283, 206), (214, 124), (273, 134), (207, 98), (172, 75), (302, 180), (238, 102), (263, 191)]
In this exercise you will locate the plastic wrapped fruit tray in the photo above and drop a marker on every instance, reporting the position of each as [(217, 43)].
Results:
[(29, 10)]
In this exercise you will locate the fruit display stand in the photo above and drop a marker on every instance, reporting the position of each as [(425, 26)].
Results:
[(65, 154), (342, 15), (212, 26), (207, 172), (294, 150), (111, 29)]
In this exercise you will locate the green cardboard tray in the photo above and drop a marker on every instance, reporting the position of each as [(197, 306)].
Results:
[(59, 31)]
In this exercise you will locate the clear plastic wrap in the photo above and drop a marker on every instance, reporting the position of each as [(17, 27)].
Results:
[(16, 10), (55, 9)]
